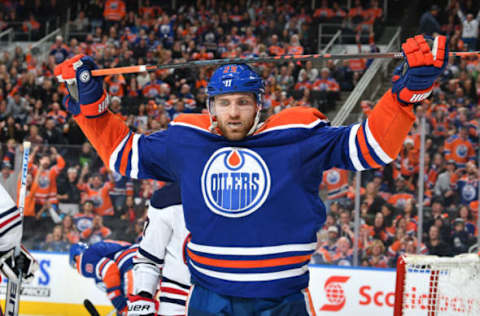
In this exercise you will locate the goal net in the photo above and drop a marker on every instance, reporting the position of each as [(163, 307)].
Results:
[(437, 286)]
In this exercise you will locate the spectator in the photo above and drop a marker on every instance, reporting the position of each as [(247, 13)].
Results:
[(47, 190), (97, 232), (459, 148), (18, 106), (81, 23), (461, 239), (469, 28), (335, 181), (327, 88), (429, 23), (344, 253), (467, 185), (68, 191), (69, 230), (376, 255), (59, 50), (11, 129), (52, 134), (446, 182), (464, 213), (56, 241), (98, 192), (436, 246), (330, 245)]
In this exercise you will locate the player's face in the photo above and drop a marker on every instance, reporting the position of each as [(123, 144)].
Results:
[(235, 114)]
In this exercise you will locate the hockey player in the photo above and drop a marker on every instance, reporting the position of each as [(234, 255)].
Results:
[(160, 254), (10, 237), (109, 263), (250, 191)]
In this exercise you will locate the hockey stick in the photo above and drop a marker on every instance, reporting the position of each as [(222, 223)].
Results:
[(249, 60), (12, 300), (90, 307), (92, 310)]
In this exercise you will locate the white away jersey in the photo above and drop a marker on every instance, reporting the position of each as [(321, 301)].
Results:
[(10, 222), (163, 242)]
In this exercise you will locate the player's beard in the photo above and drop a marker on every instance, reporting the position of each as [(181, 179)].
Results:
[(235, 130)]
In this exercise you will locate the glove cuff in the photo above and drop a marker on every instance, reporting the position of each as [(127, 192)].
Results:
[(96, 108), (407, 96)]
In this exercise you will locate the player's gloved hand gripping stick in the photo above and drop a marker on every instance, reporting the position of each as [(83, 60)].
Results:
[(413, 79), (86, 93)]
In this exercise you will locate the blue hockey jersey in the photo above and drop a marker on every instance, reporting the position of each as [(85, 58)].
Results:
[(252, 206), (108, 262)]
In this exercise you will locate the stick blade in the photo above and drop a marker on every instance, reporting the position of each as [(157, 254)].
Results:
[(90, 308)]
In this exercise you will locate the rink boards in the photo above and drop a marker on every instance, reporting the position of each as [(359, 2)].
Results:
[(59, 290)]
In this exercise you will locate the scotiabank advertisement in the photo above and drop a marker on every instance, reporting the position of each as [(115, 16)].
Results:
[(352, 291)]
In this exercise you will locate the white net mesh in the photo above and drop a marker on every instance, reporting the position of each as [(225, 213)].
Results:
[(437, 286)]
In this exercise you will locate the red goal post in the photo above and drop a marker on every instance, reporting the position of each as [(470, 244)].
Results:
[(437, 286)]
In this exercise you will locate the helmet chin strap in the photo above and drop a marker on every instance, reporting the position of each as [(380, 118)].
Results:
[(255, 121)]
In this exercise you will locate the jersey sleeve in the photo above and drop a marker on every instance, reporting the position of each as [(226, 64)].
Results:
[(94, 265), (10, 222), (372, 143), (157, 233), (130, 154)]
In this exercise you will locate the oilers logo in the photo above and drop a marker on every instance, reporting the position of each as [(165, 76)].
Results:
[(43, 181), (235, 182), (468, 192), (333, 176), (462, 151)]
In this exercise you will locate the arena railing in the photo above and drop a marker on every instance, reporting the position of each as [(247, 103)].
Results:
[(6, 38), (41, 48), (370, 83)]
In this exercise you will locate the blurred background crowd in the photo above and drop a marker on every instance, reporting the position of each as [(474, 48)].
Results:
[(72, 196)]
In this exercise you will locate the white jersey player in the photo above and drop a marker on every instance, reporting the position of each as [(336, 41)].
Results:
[(160, 255), (10, 237)]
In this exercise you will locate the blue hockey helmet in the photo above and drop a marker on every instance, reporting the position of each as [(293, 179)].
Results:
[(76, 250), (233, 78)]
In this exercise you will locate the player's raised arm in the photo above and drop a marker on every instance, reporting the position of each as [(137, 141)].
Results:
[(377, 140), (119, 148)]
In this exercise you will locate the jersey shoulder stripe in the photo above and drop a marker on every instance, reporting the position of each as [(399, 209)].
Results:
[(297, 117), (199, 121)]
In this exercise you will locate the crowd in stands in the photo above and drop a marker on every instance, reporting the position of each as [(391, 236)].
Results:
[(389, 196), (72, 196)]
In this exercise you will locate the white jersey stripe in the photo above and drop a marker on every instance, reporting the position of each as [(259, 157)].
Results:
[(307, 126), (174, 296), (97, 268), (134, 162), (114, 155), (376, 146), (251, 251), (124, 259), (252, 277), (353, 148), (105, 268)]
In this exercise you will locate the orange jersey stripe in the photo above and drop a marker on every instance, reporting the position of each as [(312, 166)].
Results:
[(296, 115), (105, 140), (364, 149), (125, 254), (126, 152), (265, 263), (199, 120), (310, 302)]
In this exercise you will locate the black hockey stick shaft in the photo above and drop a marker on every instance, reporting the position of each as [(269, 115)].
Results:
[(90, 307), (250, 60)]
